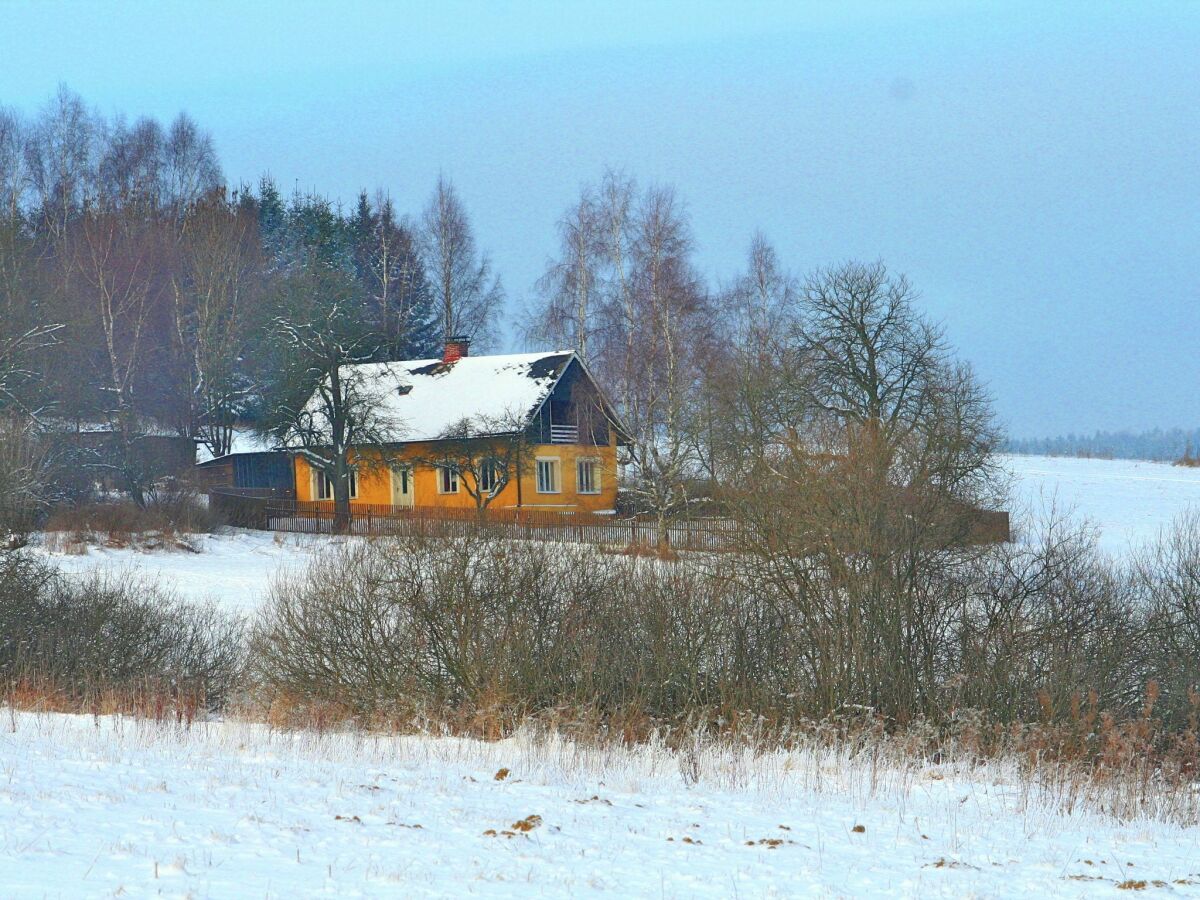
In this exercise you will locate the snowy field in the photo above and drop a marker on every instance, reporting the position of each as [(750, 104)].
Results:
[(114, 807), (234, 568), (1127, 501)]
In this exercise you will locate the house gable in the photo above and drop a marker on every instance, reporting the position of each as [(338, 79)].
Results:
[(576, 411)]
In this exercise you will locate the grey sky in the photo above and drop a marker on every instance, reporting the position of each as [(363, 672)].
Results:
[(1032, 167)]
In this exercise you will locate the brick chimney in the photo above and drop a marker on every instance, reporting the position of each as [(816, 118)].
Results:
[(456, 348)]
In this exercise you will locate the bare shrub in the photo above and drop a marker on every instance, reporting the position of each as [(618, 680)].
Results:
[(1168, 580), (476, 621), (1048, 622), (172, 512), (1043, 647), (183, 506), (110, 632)]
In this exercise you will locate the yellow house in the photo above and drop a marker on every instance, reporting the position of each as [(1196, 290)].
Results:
[(517, 431)]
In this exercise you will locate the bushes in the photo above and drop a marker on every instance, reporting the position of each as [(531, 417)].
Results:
[(1016, 633), (172, 512), (110, 634), (408, 622), (23, 471)]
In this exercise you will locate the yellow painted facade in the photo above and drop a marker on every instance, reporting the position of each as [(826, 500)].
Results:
[(382, 483)]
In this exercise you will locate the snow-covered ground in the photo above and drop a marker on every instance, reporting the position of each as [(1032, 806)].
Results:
[(1128, 501), (113, 807), (234, 568)]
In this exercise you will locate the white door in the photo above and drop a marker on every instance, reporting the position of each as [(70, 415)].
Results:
[(402, 486)]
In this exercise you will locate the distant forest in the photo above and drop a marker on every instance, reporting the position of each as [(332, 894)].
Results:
[(1169, 445)]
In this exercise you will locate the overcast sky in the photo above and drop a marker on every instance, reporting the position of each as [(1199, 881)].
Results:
[(1034, 168)]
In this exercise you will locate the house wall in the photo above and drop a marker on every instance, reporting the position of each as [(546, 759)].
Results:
[(260, 471), (375, 480)]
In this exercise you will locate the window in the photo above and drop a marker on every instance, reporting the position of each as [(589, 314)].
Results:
[(447, 480), (323, 487), (489, 475), (587, 476), (547, 475)]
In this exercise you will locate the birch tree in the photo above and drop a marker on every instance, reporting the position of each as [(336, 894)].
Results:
[(118, 257), (567, 315), (60, 156), (468, 295), (663, 369), (216, 281), (624, 286)]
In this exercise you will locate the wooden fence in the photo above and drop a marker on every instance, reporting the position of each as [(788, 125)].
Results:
[(268, 511), (274, 511)]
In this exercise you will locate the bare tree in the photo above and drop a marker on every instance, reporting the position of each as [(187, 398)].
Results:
[(616, 350), (13, 175), (322, 403), (663, 373), (118, 255), (25, 332), (60, 158), (625, 288), (390, 267), (18, 371), (24, 472), (570, 289), (215, 282), (887, 374), (485, 453), (468, 294), (129, 172), (189, 164), (755, 380)]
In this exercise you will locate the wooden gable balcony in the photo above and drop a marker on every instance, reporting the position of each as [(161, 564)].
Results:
[(564, 434)]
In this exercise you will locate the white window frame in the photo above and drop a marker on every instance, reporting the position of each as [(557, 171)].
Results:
[(555, 466), (447, 475), (594, 464), (489, 475), (323, 484)]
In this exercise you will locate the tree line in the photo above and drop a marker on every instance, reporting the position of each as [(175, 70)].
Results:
[(138, 287), (1158, 444), (141, 292)]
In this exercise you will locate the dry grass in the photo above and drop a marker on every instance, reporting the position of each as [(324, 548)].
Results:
[(168, 523), (1121, 770), (151, 702)]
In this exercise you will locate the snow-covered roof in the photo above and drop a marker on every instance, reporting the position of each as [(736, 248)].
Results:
[(424, 398), (146, 427), (243, 441)]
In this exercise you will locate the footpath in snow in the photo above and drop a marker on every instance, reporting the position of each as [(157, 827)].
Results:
[(111, 807)]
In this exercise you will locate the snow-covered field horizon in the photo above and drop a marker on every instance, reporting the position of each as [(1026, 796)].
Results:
[(1129, 502)]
